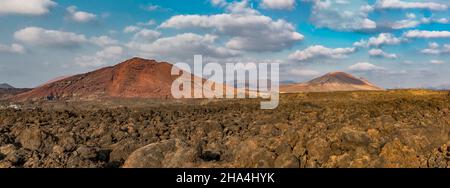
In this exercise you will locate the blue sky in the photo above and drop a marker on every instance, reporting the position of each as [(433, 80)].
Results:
[(393, 43)]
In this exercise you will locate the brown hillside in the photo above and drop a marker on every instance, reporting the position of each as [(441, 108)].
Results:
[(133, 78), (335, 81)]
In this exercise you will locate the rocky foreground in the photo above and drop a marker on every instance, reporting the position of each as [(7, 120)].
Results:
[(341, 129)]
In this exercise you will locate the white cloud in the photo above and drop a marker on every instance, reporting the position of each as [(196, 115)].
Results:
[(435, 49), (152, 8), (103, 41), (105, 56), (148, 23), (80, 16), (131, 29), (412, 21), (320, 51), (146, 35), (183, 46), (278, 4), (364, 67), (13, 48), (341, 16), (304, 72), (381, 53), (427, 34), (49, 38), (442, 21), (240, 7), (219, 3), (433, 45), (380, 40), (436, 62), (30, 7), (403, 24), (249, 32), (399, 4), (411, 16)]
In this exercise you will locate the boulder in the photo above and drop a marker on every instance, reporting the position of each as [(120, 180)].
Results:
[(31, 138), (164, 154), (286, 161), (318, 150)]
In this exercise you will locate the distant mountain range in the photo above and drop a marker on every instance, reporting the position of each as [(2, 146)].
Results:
[(6, 86), (142, 78), (7, 90), (440, 87)]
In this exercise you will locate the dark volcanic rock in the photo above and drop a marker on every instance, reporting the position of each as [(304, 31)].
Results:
[(169, 153), (344, 129), (31, 138)]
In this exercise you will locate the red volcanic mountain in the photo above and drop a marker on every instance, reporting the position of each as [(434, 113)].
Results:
[(136, 77), (335, 81)]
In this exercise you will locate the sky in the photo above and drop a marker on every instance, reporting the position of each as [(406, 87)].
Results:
[(392, 43)]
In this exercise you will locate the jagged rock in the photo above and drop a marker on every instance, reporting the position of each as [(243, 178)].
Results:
[(250, 155), (121, 150), (7, 149), (345, 129), (68, 142), (31, 138), (286, 161), (85, 152), (350, 136), (168, 153), (396, 155), (318, 150)]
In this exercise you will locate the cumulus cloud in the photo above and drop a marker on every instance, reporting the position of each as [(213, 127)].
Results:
[(240, 7), (365, 67), (80, 16), (436, 62), (381, 53), (147, 23), (339, 15), (105, 56), (131, 29), (103, 41), (427, 34), (49, 38), (442, 21), (380, 40), (399, 4), (278, 4), (13, 48), (37, 36), (320, 52), (436, 49), (249, 32), (219, 3), (152, 8), (30, 7), (412, 21), (403, 24), (146, 35), (304, 72), (184, 46)]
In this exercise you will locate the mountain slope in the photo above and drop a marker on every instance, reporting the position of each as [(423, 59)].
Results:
[(6, 86), (335, 81), (134, 78)]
